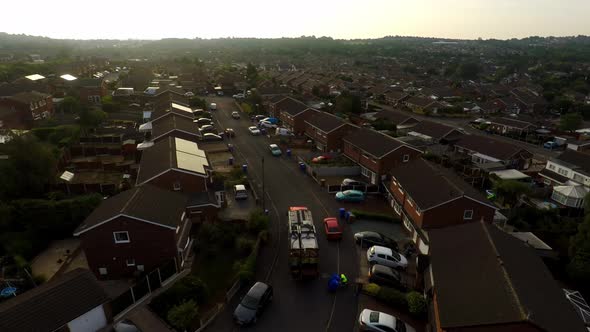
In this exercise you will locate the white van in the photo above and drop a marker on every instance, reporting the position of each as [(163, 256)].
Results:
[(240, 192), (213, 106), (283, 132)]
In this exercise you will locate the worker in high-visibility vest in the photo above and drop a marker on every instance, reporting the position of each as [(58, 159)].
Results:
[(343, 279)]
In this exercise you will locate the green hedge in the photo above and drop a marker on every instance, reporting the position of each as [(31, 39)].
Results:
[(416, 303), (359, 214), (412, 302)]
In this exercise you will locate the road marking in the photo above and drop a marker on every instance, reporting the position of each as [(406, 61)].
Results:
[(331, 313)]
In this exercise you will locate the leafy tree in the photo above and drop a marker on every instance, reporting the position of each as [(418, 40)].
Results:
[(570, 121), (579, 266), (182, 315), (416, 303), (252, 74), (109, 105), (468, 70), (91, 118), (70, 105), (198, 103), (347, 104), (509, 191)]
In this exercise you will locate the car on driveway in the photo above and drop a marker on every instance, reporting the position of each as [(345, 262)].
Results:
[(321, 159), (258, 117), (207, 129), (254, 130), (211, 137), (240, 192), (266, 124), (332, 228), (385, 256), (369, 238), (203, 121), (350, 196), (253, 304), (384, 275), (352, 182), (126, 325), (275, 150), (235, 115), (376, 321)]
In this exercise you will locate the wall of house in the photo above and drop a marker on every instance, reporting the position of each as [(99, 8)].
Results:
[(334, 138), (149, 245), (14, 120), (317, 135), (452, 213), (396, 158), (351, 151), (93, 320), (189, 183)]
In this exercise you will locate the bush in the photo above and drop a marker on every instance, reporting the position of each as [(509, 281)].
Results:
[(244, 245), (371, 289), (190, 288), (416, 303), (248, 268), (182, 315), (392, 297), (374, 216), (257, 222)]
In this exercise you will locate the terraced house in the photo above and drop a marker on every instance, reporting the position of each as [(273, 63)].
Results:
[(327, 131)]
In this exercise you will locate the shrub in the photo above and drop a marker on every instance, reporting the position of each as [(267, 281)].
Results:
[(392, 297), (374, 216), (371, 289), (244, 245), (190, 288), (248, 267), (257, 222), (416, 303), (182, 315)]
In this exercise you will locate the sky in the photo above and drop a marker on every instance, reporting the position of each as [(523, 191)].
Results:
[(342, 19)]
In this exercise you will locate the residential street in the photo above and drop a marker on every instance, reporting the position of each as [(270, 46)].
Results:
[(297, 305)]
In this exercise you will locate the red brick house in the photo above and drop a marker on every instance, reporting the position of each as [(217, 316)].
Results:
[(286, 103), (402, 121), (294, 119), (91, 90), (22, 109), (376, 153), (433, 132), (482, 279), (426, 196), (137, 230), (173, 125), (394, 97), (327, 131), (485, 150), (510, 126)]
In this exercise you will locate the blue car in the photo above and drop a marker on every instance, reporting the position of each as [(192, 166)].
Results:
[(350, 196)]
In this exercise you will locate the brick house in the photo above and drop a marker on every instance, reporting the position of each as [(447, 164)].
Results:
[(137, 230), (433, 132), (484, 279), (28, 106), (294, 114), (376, 153), (402, 121), (172, 108), (426, 196), (510, 126), (394, 97), (91, 90), (74, 301), (484, 150), (327, 131), (173, 125), (286, 103)]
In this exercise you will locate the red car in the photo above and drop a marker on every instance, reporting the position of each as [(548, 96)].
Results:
[(321, 159), (332, 228)]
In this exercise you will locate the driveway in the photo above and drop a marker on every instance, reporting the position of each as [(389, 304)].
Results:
[(297, 306)]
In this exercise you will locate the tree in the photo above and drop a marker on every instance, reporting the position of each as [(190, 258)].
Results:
[(70, 105), (347, 104), (197, 102), (181, 316), (510, 191), (109, 105), (468, 70), (91, 118), (252, 74), (570, 121)]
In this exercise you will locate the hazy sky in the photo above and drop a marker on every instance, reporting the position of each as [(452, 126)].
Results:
[(278, 18)]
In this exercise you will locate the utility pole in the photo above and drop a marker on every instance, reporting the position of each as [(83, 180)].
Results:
[(263, 192)]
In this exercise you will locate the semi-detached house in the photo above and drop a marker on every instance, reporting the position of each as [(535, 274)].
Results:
[(327, 130), (426, 196), (376, 153), (569, 173)]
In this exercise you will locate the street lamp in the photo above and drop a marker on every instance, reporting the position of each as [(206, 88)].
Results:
[(263, 193)]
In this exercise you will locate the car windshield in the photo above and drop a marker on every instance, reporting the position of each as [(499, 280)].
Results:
[(372, 250), (250, 302), (396, 255), (333, 229), (374, 317), (400, 326)]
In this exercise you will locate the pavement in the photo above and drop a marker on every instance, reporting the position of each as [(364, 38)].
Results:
[(55, 258), (297, 305)]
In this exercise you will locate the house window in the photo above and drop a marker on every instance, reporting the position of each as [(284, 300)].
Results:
[(578, 177), (121, 237), (551, 167), (562, 171), (176, 185), (467, 214), (406, 158), (102, 271), (130, 262), (140, 268), (365, 172)]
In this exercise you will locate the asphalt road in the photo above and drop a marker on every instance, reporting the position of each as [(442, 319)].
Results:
[(297, 305), (538, 151)]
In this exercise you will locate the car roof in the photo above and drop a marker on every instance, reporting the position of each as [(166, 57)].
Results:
[(386, 319), (252, 127), (258, 289), (352, 191), (274, 146), (331, 221), (383, 250), (239, 187), (384, 269)]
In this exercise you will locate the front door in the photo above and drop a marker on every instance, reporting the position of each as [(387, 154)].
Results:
[(373, 178)]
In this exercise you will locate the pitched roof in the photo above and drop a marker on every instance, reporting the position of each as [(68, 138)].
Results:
[(512, 123), (435, 130), (419, 101), (291, 106), (499, 280), (173, 122), (419, 178), (575, 160), (164, 155), (551, 175), (145, 202), (397, 117), (53, 304), (90, 82), (372, 142), (29, 97), (489, 146), (325, 121)]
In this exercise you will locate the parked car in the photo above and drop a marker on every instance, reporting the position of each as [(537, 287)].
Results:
[(283, 132), (126, 325), (385, 256), (332, 228), (322, 158), (550, 145), (350, 196), (210, 137), (207, 129), (258, 117), (235, 115), (240, 192), (352, 182), (203, 121), (266, 124), (189, 94), (370, 238), (275, 150), (384, 275), (271, 120), (229, 132), (239, 96), (253, 304), (213, 106), (254, 130), (377, 321)]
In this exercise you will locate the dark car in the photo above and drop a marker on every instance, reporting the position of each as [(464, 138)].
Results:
[(369, 239), (253, 303), (126, 326), (384, 275)]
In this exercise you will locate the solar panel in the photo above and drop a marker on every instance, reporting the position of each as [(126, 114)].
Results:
[(68, 77), (188, 147), (191, 162), (35, 77), (182, 108)]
